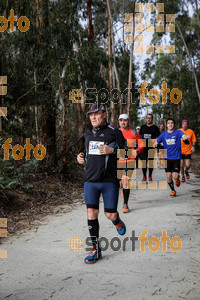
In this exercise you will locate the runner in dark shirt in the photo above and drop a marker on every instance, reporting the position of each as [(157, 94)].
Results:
[(100, 159), (148, 132)]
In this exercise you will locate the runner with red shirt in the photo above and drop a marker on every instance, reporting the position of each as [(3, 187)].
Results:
[(129, 135)]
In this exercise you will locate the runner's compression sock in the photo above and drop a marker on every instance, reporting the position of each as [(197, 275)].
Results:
[(144, 170), (150, 171), (126, 193), (93, 226), (171, 184)]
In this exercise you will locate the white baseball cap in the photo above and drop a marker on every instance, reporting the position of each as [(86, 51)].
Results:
[(138, 127), (123, 116)]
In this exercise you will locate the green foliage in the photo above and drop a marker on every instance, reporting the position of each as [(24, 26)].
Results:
[(14, 175)]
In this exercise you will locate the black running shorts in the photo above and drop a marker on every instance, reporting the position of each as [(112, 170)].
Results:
[(173, 165), (186, 156)]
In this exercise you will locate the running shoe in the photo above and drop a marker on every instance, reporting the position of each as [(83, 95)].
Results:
[(121, 228), (144, 178), (173, 194), (125, 208), (150, 178), (183, 179), (93, 256), (122, 194), (187, 175), (178, 183)]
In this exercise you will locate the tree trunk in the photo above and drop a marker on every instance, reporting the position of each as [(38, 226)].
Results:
[(48, 111), (130, 79), (112, 105), (36, 112), (90, 26), (61, 94), (112, 71), (130, 69)]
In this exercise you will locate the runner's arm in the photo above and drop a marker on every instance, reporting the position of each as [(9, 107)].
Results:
[(193, 147), (185, 139), (82, 154), (193, 141), (81, 158), (141, 145), (105, 149), (158, 141), (155, 144), (121, 141)]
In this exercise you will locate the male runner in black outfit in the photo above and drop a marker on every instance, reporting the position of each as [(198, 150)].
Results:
[(148, 131), (100, 159)]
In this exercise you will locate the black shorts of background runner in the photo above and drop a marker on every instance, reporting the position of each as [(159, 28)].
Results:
[(173, 165), (186, 156)]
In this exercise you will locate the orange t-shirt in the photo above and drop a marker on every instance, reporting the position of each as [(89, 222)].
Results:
[(132, 140), (186, 149)]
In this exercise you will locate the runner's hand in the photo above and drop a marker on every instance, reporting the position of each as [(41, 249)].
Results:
[(134, 152), (184, 137), (155, 144), (81, 158), (105, 150), (193, 149)]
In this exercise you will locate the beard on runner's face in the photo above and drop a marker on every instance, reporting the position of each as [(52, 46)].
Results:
[(98, 118), (124, 124)]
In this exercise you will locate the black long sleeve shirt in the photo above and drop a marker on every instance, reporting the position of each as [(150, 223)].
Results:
[(102, 168)]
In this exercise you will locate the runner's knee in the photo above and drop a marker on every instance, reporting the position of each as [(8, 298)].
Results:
[(187, 164), (92, 213), (111, 215), (175, 175), (169, 177)]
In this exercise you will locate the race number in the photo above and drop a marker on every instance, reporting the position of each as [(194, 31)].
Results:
[(94, 147)]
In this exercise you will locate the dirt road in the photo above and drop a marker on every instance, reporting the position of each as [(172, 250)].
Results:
[(40, 264)]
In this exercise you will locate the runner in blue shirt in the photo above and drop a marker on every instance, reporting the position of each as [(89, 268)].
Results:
[(171, 140)]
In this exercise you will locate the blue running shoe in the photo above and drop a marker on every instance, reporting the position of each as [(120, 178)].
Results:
[(93, 256), (121, 227)]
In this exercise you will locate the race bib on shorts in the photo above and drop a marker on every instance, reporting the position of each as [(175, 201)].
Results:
[(94, 147), (147, 136)]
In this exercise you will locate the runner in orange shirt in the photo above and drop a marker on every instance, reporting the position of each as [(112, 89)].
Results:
[(129, 135), (187, 149)]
